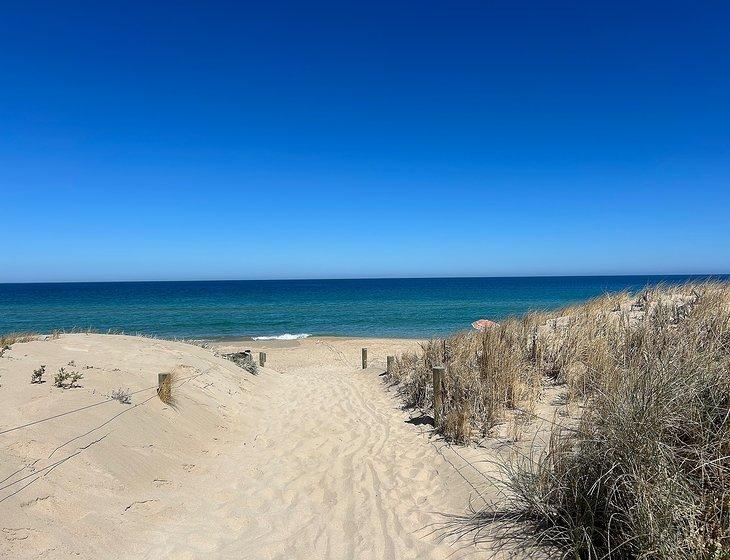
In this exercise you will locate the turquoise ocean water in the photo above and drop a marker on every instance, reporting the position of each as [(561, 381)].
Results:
[(271, 308)]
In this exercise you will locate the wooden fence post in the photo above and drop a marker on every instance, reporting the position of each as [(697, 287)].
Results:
[(533, 349), (438, 401), (390, 360), (262, 358), (364, 358)]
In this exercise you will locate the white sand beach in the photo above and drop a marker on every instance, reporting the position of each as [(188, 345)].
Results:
[(312, 458)]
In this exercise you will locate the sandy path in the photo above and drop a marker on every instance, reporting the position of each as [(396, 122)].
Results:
[(330, 468), (313, 458)]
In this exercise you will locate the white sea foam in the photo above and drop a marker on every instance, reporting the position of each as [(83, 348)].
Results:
[(285, 336)]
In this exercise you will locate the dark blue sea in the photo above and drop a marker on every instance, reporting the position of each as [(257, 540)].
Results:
[(272, 308)]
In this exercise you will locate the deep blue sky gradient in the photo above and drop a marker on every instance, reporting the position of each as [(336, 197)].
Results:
[(210, 140)]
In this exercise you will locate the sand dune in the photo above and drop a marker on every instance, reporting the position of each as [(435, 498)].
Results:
[(313, 458)]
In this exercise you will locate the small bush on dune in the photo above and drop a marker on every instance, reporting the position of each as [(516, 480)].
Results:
[(74, 379), (244, 360), (67, 380), (122, 395), (60, 379), (250, 365), (37, 375)]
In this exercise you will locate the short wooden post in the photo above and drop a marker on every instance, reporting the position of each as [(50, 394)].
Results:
[(364, 358), (438, 401), (533, 349), (390, 361), (262, 358), (161, 379)]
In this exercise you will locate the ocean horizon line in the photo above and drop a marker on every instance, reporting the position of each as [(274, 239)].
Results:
[(693, 275)]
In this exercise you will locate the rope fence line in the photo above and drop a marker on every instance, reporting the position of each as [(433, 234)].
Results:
[(117, 415), (38, 474), (87, 407), (48, 468)]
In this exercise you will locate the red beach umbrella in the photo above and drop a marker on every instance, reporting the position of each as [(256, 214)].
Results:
[(484, 324)]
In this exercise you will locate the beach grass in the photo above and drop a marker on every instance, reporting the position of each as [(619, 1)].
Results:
[(8, 339), (645, 474)]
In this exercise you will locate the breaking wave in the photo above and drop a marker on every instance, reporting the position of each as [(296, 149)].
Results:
[(285, 336)]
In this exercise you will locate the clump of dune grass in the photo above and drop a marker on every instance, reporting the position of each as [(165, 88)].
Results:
[(8, 339), (645, 474), (486, 374), (164, 391)]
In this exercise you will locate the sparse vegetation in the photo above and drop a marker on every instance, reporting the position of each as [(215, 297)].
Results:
[(244, 360), (37, 375), (60, 379), (74, 379), (67, 380), (8, 339), (122, 395), (646, 473)]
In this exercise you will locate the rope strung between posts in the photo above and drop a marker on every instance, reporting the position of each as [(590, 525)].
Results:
[(47, 469), (85, 407)]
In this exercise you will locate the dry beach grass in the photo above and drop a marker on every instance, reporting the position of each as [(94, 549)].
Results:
[(646, 472)]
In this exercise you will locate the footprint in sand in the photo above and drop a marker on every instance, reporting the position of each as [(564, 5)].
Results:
[(34, 501), (141, 506), (19, 534)]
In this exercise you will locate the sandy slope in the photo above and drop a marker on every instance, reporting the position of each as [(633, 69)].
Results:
[(313, 458)]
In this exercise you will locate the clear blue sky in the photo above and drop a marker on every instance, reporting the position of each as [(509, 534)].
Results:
[(288, 140)]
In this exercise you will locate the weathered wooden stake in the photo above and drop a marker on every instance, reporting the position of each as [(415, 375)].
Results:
[(161, 379), (262, 358), (364, 358), (390, 360), (533, 349), (438, 402)]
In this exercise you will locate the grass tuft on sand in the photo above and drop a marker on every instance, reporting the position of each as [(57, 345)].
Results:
[(8, 339)]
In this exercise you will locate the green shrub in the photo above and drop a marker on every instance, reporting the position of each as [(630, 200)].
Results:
[(37, 375), (67, 380)]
